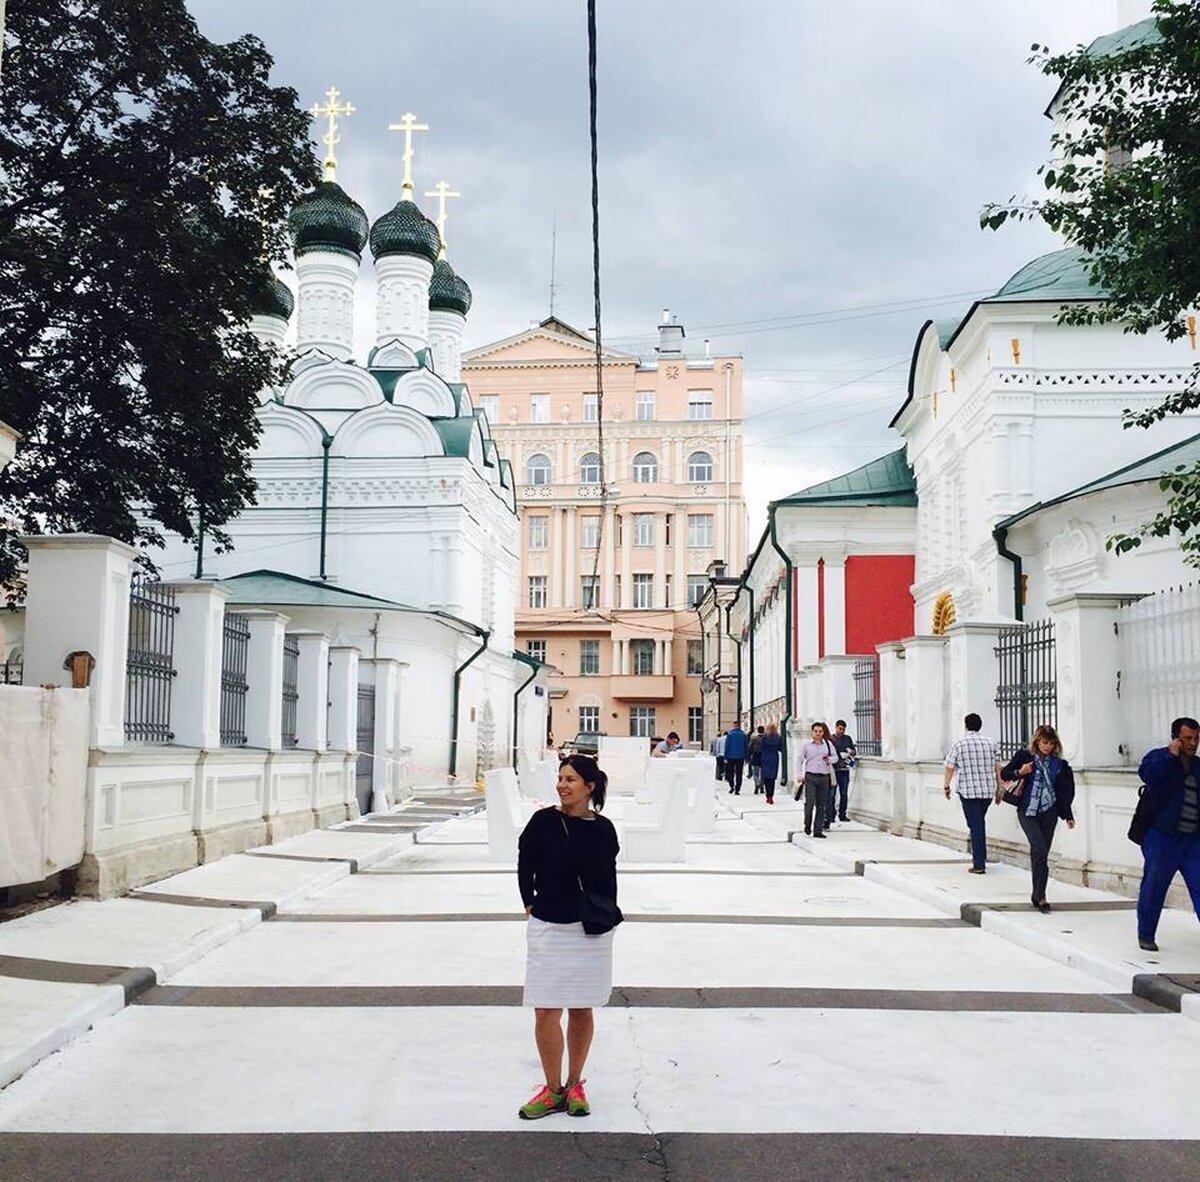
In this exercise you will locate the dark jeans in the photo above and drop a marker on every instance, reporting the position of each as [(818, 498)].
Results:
[(769, 787), (975, 810), (1164, 854), (733, 775), (816, 802), (841, 789), (1039, 831), (720, 767)]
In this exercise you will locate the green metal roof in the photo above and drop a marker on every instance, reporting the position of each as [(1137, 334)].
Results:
[(1060, 275), (456, 435), (328, 219), (1185, 454), (885, 481), (272, 296), (1131, 37), (404, 229), (448, 292)]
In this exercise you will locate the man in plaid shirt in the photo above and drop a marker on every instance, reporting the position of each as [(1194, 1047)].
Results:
[(973, 763)]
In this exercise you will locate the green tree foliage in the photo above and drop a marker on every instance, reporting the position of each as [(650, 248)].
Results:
[(145, 172), (1124, 185)]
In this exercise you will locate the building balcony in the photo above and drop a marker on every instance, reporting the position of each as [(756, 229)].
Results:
[(643, 687)]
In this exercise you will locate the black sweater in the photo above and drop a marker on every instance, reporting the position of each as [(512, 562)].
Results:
[(550, 866)]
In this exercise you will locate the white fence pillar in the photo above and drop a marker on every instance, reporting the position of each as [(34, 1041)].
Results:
[(838, 693), (1088, 659), (925, 725), (892, 697), (974, 674), (264, 679), (384, 777), (312, 685), (196, 690), (343, 698), (77, 600)]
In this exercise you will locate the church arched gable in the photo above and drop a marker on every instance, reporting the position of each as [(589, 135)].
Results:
[(926, 364), (287, 434), (335, 385), (423, 391), (387, 430)]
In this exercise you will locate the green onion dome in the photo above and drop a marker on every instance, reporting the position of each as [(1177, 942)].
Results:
[(272, 297), (328, 219), (404, 229), (447, 291)]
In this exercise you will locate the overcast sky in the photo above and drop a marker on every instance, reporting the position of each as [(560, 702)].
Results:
[(799, 181)]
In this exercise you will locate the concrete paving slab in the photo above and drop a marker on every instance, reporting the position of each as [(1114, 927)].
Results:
[(240, 877), (38, 1018), (163, 937), (366, 849), (227, 1070)]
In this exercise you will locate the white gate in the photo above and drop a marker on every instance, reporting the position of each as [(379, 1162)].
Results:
[(1160, 666)]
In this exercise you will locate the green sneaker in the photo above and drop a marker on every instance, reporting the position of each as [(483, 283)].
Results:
[(577, 1101), (543, 1103)]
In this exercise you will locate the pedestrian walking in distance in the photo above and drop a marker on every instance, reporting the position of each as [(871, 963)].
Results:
[(816, 759), (1042, 786), (973, 764), (717, 751), (1172, 843), (566, 865), (839, 793), (769, 752), (755, 750), (735, 758)]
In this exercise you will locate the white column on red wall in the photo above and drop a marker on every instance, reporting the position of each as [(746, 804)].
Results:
[(312, 684), (343, 698), (805, 577), (835, 604), (196, 689), (77, 600), (264, 679)]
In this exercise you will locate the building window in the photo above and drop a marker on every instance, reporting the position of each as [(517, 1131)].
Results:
[(645, 468), (643, 407), (589, 592), (537, 590), (700, 530), (642, 722), (700, 404), (539, 408), (589, 468), (589, 719), (589, 532), (641, 658), (643, 590), (666, 590), (589, 658), (617, 590), (700, 466), (591, 408), (695, 724), (643, 529), (695, 658), (539, 533), (537, 469), (536, 649), (697, 586), (490, 405)]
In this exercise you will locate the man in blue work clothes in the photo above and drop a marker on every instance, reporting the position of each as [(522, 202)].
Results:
[(735, 757), (1172, 843)]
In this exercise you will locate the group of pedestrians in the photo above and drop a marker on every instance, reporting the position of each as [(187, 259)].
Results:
[(735, 751)]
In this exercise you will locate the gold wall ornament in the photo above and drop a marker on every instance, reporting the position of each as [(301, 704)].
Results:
[(1191, 323), (443, 193), (953, 382), (935, 403), (407, 125), (1016, 348), (943, 613), (331, 110)]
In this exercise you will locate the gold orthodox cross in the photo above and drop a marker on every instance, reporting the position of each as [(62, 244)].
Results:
[(443, 193), (408, 124), (331, 110)]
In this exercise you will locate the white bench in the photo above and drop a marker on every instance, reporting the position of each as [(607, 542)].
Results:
[(662, 836), (506, 813)]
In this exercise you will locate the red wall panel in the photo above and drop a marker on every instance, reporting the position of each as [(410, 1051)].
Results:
[(879, 605)]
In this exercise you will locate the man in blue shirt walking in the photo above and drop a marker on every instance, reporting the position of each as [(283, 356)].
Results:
[(735, 757)]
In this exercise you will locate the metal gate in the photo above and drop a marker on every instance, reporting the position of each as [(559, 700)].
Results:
[(364, 777), (867, 731), (150, 668), (1027, 692)]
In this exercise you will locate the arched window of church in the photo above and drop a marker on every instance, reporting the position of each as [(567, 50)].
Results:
[(645, 468), (537, 469), (589, 468), (700, 466)]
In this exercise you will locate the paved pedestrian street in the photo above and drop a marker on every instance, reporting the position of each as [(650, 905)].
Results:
[(346, 1005)]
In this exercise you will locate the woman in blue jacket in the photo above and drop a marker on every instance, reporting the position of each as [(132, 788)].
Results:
[(1044, 792), (769, 749)]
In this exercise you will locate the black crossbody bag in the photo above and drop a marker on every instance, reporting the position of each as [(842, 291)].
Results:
[(597, 912)]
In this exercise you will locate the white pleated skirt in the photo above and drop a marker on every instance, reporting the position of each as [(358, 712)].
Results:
[(565, 968)]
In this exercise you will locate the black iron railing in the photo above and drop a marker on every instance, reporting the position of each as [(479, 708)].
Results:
[(235, 645), (150, 668), (1027, 690), (867, 732), (364, 770), (291, 692)]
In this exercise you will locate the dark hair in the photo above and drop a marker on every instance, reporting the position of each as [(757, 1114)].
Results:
[(840, 722), (673, 735), (761, 730), (1180, 723), (824, 730), (973, 722), (590, 772), (1045, 732)]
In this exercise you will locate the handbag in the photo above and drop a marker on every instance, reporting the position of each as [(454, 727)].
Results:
[(597, 912), (1143, 817), (1011, 792)]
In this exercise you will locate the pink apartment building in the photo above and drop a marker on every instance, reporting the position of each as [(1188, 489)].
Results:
[(609, 583)]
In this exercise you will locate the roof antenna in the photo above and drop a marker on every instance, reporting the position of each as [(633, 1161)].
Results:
[(553, 260)]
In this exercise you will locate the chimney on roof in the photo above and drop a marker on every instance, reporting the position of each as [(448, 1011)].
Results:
[(670, 336)]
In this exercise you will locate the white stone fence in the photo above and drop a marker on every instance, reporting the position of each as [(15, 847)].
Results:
[(150, 809)]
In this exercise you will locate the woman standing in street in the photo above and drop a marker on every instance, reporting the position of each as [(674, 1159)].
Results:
[(562, 852), (1043, 792), (768, 753), (816, 759)]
